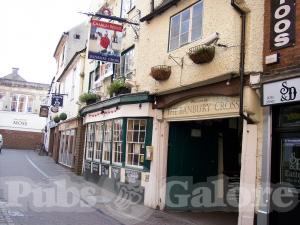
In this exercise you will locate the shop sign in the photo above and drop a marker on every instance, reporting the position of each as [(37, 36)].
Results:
[(105, 41), (204, 107), (116, 173), (44, 111), (280, 92), (290, 161), (54, 109), (87, 165), (57, 100), (104, 170), (282, 23), (68, 125), (20, 122), (95, 168), (132, 177)]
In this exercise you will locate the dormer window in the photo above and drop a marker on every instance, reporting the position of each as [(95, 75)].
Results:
[(186, 26)]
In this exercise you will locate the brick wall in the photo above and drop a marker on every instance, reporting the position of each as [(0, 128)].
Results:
[(79, 148), (21, 139), (289, 57)]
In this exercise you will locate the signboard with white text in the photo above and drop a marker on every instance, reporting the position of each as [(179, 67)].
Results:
[(283, 15), (280, 92), (105, 41)]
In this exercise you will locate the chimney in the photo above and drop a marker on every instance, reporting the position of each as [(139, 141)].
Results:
[(15, 70)]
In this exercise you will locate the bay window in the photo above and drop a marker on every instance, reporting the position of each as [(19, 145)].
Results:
[(98, 141), (186, 26)]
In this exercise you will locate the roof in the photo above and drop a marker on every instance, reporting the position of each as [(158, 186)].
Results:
[(165, 5), (14, 75), (70, 63)]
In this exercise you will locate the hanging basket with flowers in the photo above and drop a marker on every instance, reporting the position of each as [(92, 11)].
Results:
[(202, 54), (161, 72)]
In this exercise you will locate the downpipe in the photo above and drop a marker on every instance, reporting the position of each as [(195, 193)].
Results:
[(242, 59)]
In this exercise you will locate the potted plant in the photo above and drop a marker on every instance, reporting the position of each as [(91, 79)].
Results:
[(161, 72), (202, 53), (118, 87), (63, 116), (88, 98), (56, 119)]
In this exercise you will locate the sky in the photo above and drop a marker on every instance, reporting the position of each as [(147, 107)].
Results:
[(30, 31)]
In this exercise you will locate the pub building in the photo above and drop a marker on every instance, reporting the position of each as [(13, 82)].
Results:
[(118, 141), (280, 98)]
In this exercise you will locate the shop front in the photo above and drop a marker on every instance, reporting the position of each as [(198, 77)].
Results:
[(69, 144), (282, 105), (118, 137)]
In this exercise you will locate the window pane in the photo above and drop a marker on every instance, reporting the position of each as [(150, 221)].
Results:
[(197, 22), (174, 43), (174, 32), (184, 38)]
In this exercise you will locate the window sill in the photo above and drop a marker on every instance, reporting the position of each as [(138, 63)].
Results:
[(139, 168)]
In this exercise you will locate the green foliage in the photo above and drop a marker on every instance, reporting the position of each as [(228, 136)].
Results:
[(56, 119), (63, 116), (115, 86), (88, 97)]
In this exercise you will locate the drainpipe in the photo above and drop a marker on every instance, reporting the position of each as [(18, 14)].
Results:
[(242, 59), (152, 5)]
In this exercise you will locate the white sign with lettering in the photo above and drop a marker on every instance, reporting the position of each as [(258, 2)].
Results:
[(283, 91)]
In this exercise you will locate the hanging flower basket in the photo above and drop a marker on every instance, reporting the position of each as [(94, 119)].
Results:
[(161, 72), (202, 54)]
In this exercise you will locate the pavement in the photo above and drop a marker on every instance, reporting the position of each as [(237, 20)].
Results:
[(36, 191)]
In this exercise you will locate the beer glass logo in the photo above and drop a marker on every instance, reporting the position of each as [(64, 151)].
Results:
[(288, 93)]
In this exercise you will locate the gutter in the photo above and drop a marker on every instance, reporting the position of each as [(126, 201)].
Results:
[(242, 59)]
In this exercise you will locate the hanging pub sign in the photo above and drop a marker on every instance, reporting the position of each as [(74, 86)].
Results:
[(57, 100), (282, 23), (44, 111), (105, 41), (279, 92)]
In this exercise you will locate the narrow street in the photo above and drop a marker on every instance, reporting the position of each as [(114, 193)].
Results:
[(21, 170)]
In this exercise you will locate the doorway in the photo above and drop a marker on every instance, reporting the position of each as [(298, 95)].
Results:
[(285, 164), (203, 155)]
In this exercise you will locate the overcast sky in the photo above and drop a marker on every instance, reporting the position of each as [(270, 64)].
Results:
[(30, 31)]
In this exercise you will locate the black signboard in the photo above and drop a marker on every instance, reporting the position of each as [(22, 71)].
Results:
[(57, 100), (95, 168), (283, 15), (290, 161), (116, 173), (132, 177), (104, 170), (87, 166)]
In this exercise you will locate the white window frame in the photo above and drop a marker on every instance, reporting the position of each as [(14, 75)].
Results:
[(189, 29), (141, 144), (90, 141), (98, 139), (107, 141), (125, 69), (131, 5), (117, 142), (27, 98)]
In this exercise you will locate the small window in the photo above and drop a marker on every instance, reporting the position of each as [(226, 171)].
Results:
[(127, 6), (117, 142), (98, 141), (77, 36), (90, 139), (135, 144), (107, 141), (127, 63), (186, 26)]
